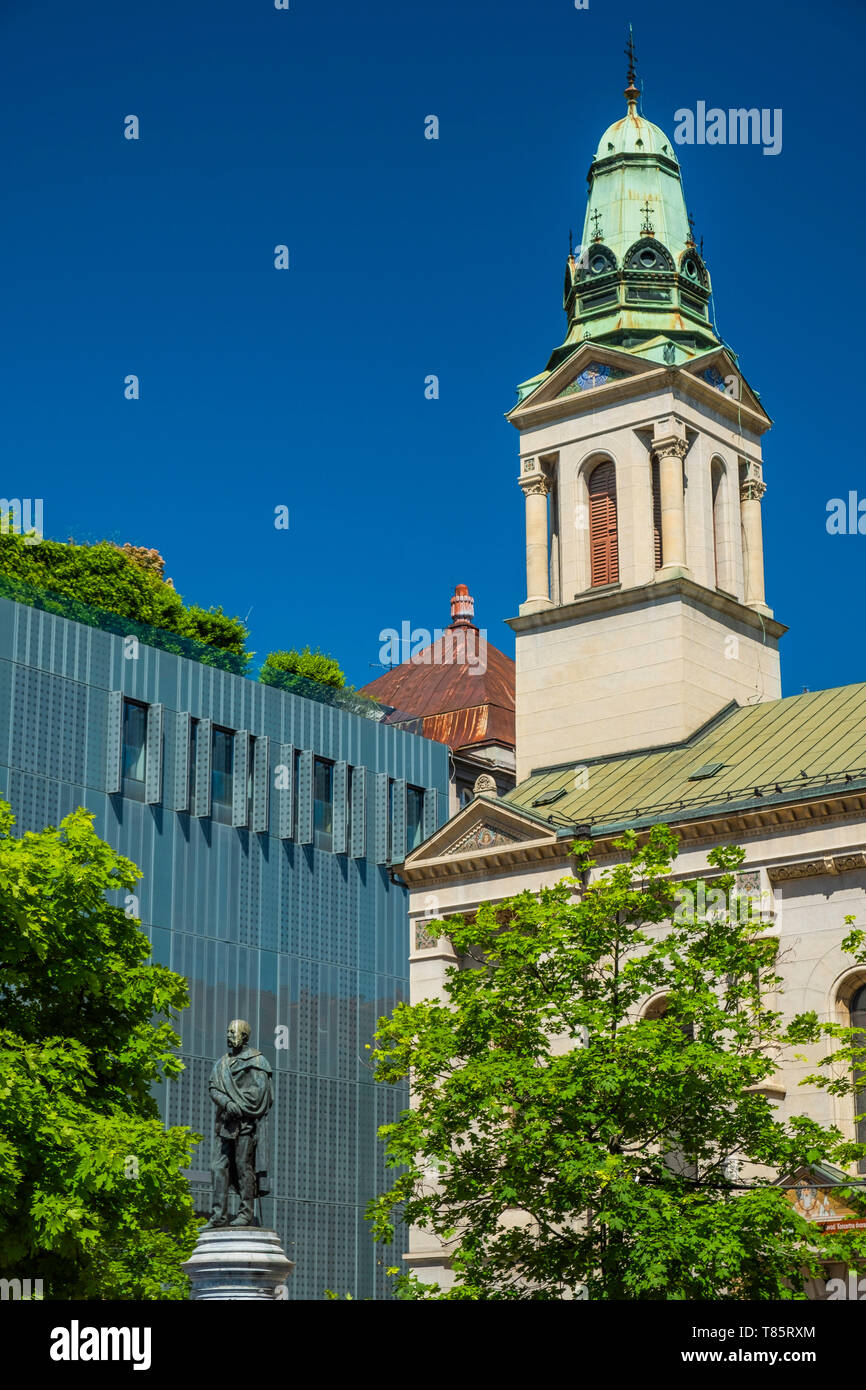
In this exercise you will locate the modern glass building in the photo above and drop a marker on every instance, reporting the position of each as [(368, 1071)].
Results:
[(265, 823)]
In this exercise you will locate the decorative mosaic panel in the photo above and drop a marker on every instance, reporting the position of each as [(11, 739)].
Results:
[(594, 374), (714, 377), (482, 837), (425, 939)]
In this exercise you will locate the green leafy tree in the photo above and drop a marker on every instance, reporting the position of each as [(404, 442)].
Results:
[(92, 1200), (568, 1144), (124, 580), (312, 665)]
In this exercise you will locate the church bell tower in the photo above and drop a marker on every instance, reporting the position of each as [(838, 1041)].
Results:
[(640, 464)]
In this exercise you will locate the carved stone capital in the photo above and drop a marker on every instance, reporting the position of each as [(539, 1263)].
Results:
[(670, 447), (752, 490), (669, 438), (534, 485)]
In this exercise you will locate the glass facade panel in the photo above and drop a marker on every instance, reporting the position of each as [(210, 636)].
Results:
[(414, 817), (134, 749), (222, 775), (323, 804)]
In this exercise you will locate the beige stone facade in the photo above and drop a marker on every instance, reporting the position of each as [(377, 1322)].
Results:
[(809, 866)]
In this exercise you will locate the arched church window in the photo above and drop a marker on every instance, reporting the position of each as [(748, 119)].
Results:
[(603, 543), (658, 554), (718, 473), (857, 1011)]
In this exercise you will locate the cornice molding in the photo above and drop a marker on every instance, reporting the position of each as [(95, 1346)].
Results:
[(592, 603)]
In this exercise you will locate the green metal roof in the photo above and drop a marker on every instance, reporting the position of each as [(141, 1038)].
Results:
[(636, 166), (770, 753)]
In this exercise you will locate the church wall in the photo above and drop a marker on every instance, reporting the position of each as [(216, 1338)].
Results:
[(805, 909)]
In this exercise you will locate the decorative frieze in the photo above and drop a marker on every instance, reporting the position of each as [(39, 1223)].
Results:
[(822, 864)]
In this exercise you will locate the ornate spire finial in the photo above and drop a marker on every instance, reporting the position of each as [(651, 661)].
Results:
[(647, 228), (570, 242), (631, 92), (462, 607), (690, 239), (596, 229)]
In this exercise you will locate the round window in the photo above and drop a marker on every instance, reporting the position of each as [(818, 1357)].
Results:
[(598, 265), (691, 269), (647, 257)]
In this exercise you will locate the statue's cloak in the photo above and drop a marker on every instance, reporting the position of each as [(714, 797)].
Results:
[(247, 1080)]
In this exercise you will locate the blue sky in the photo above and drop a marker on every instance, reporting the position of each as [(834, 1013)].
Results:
[(408, 257)]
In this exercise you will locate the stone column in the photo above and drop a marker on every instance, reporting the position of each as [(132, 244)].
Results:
[(535, 486), (752, 489), (670, 448)]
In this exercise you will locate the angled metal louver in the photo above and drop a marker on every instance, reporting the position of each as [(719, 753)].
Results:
[(240, 778), (305, 798), (380, 819), (261, 784), (341, 780), (398, 822), (359, 812), (431, 812), (153, 756), (203, 765), (284, 789), (183, 725), (114, 749)]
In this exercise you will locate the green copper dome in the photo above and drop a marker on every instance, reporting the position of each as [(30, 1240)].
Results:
[(637, 281), (633, 135), (634, 186)]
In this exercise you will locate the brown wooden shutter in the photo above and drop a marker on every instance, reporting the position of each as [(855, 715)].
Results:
[(657, 514), (603, 547)]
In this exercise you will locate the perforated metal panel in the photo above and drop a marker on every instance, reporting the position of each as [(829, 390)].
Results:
[(398, 822), (359, 812), (153, 760), (284, 786), (380, 819), (114, 742), (305, 798), (311, 944), (181, 760), (431, 812), (261, 783), (240, 780), (341, 779), (203, 765)]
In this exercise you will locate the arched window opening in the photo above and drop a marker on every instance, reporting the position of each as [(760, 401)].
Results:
[(857, 1011), (603, 542), (718, 473), (658, 553), (659, 1008)]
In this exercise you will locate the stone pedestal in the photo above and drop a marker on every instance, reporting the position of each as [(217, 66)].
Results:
[(235, 1262)]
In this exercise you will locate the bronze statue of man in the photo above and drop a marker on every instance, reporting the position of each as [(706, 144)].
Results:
[(241, 1088)]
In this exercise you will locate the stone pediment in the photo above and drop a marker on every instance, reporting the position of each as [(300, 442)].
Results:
[(718, 371), (591, 368), (483, 826)]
